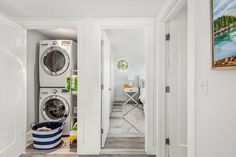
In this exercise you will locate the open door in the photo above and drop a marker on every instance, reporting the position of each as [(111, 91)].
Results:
[(13, 88), (177, 92), (106, 72)]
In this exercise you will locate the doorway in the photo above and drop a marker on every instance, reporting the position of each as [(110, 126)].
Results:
[(123, 89), (176, 85), (51, 62)]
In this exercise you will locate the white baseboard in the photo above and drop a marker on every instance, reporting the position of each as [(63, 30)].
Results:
[(122, 151), (84, 150), (152, 150), (125, 135)]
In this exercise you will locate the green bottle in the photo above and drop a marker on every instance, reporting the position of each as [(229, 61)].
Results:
[(72, 83)]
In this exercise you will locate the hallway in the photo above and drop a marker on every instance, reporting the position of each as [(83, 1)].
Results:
[(127, 120), (127, 125)]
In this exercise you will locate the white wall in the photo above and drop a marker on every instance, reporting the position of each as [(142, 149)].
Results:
[(33, 38), (211, 126), (136, 68), (215, 112)]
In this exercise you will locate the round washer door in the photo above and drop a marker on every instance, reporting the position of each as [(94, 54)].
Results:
[(55, 61), (55, 108)]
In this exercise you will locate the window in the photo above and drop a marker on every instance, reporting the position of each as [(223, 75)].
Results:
[(122, 65)]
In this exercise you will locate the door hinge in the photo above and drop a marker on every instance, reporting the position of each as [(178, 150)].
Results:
[(102, 42), (168, 141), (101, 131), (102, 86), (168, 37), (167, 89)]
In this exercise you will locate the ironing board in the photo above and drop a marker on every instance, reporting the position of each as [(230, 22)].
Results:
[(131, 93)]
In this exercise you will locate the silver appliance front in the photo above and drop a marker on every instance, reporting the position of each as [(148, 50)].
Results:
[(55, 61), (55, 108)]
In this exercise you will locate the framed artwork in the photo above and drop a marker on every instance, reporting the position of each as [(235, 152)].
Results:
[(223, 14), (122, 65)]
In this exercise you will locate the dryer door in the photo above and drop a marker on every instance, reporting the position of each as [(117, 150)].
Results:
[(55, 108), (55, 61)]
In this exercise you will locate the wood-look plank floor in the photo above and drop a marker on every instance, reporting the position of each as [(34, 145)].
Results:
[(125, 143), (63, 148), (111, 143), (113, 155)]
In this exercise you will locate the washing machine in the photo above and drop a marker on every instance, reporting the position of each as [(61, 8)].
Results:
[(56, 60), (55, 106)]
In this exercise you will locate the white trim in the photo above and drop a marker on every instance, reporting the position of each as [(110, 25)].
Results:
[(161, 88), (47, 23), (148, 27), (75, 22), (167, 14), (82, 86), (191, 79), (126, 135), (123, 151), (170, 9)]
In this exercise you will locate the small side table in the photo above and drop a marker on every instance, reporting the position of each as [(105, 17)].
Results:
[(131, 93)]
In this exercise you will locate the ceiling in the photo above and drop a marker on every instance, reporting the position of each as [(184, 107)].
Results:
[(60, 33), (81, 8), (126, 40)]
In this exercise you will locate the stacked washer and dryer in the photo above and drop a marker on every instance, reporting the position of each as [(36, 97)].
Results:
[(57, 59)]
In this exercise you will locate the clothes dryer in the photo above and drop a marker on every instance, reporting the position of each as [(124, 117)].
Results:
[(57, 58)]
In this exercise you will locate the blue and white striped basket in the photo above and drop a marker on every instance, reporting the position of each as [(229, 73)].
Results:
[(47, 139)]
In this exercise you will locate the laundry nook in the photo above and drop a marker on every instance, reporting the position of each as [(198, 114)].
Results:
[(52, 86)]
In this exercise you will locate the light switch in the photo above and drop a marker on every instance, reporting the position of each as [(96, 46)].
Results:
[(204, 87)]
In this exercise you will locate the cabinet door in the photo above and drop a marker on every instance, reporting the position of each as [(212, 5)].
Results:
[(12, 88)]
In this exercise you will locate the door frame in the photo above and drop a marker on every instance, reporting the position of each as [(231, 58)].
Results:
[(148, 28), (166, 15), (48, 23)]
